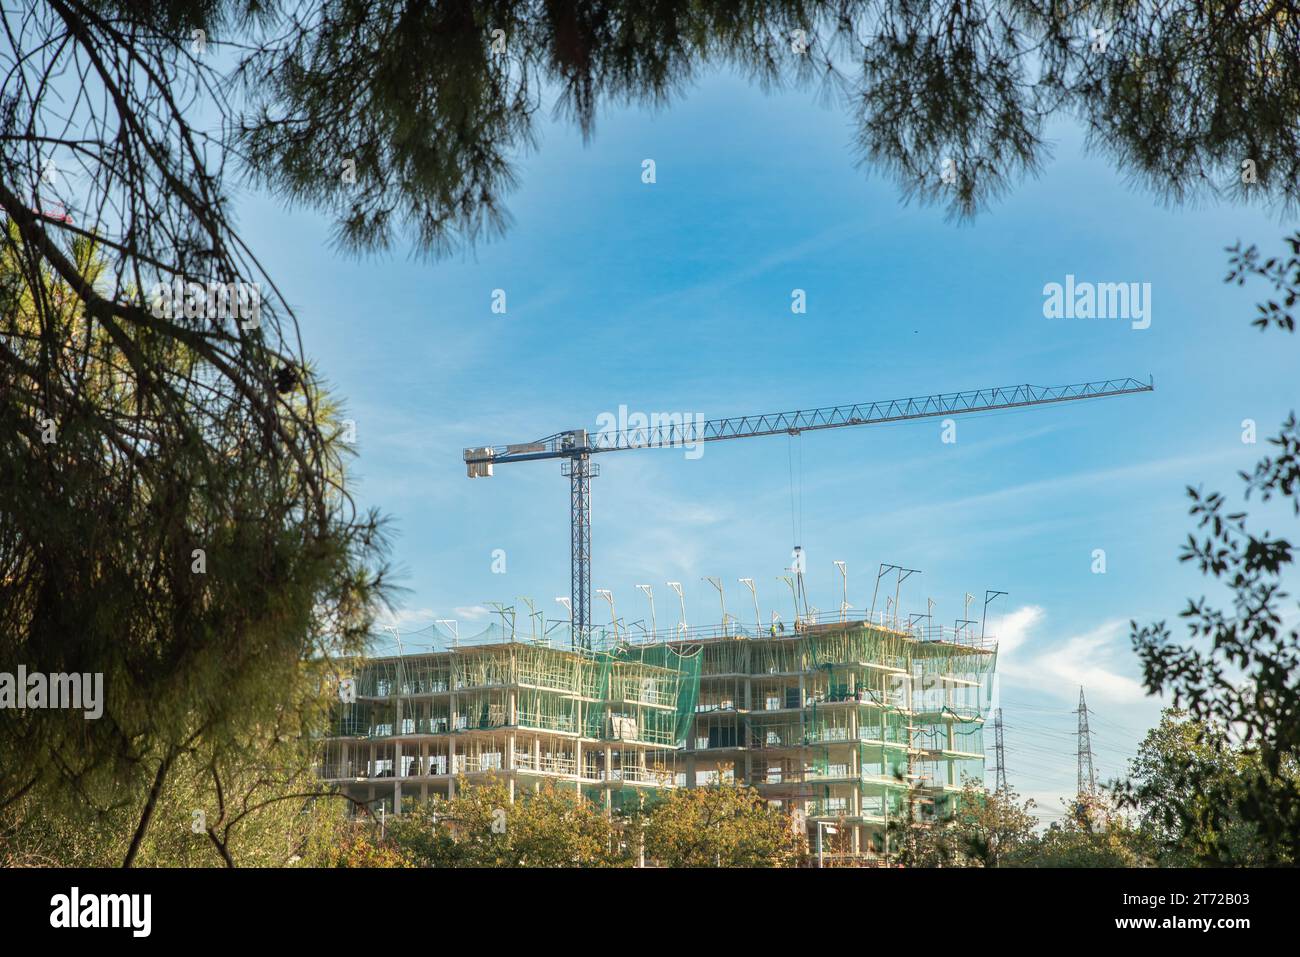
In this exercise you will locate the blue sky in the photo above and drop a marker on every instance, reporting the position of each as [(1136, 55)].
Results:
[(675, 297)]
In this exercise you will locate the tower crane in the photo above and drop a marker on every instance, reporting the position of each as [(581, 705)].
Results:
[(577, 446)]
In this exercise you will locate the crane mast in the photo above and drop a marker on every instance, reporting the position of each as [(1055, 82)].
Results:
[(577, 446)]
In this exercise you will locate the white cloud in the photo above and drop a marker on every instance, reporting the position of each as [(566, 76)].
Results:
[(404, 617), (1093, 659), (419, 618), (1083, 660), (1014, 628)]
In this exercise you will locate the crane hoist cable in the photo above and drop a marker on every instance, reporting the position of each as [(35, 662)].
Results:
[(789, 458)]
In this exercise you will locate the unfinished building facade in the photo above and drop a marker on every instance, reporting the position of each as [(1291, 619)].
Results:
[(851, 725), (848, 724), (607, 722)]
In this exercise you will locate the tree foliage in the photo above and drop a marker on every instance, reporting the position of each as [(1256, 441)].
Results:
[(1093, 833), (337, 840), (921, 835), (979, 828), (1181, 768), (720, 826), (429, 107), (433, 104), (172, 523), (990, 828), (254, 813), (975, 828), (480, 827)]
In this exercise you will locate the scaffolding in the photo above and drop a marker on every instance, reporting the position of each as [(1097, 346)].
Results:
[(608, 721), (850, 722), (847, 722)]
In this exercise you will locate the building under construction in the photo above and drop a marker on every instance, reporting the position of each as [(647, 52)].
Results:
[(850, 724), (608, 722)]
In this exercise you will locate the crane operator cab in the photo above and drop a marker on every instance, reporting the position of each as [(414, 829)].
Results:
[(573, 439)]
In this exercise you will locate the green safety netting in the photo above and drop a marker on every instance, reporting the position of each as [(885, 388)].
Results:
[(865, 645), (625, 800), (644, 694), (912, 696), (648, 693), (952, 679), (876, 726)]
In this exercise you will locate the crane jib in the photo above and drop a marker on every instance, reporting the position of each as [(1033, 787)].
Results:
[(579, 442)]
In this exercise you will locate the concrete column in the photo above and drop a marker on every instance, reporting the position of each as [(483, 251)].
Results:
[(577, 750), (952, 746)]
